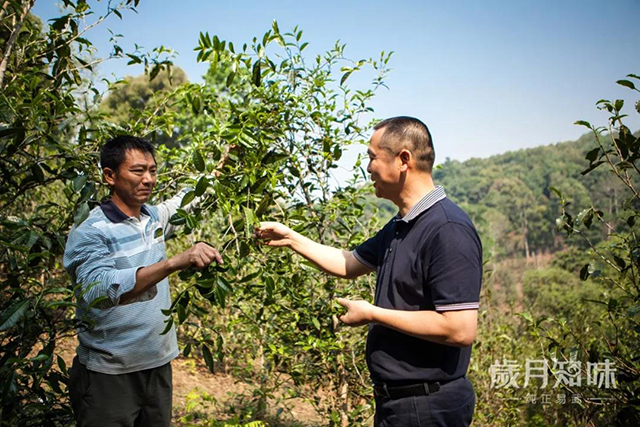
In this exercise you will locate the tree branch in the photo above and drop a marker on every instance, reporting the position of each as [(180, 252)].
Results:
[(13, 38)]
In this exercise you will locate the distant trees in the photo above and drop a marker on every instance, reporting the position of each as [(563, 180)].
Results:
[(511, 192), (131, 95)]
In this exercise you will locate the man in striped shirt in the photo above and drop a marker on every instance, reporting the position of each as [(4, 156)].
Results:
[(121, 375), (428, 261)]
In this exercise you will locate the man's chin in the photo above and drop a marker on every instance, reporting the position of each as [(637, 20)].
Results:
[(143, 198)]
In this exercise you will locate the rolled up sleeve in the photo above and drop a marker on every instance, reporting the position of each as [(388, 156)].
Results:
[(88, 261)]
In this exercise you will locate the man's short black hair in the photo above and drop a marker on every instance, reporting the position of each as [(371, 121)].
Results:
[(410, 133), (113, 153)]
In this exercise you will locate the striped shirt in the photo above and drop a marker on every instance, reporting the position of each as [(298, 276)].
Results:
[(102, 256)]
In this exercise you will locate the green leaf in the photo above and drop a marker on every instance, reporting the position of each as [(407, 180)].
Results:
[(82, 213), (250, 216), (250, 277), (201, 186), (230, 78), (592, 167), (244, 249), (273, 157), (79, 182), (13, 314), (526, 316), (198, 160), (62, 365), (37, 173), (256, 74), (583, 123), (208, 358), (188, 198), (154, 71), (626, 83), (593, 155), (556, 191), (619, 261), (316, 323), (345, 76), (167, 328), (584, 272)]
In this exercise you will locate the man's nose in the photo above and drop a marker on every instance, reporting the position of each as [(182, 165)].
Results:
[(148, 178)]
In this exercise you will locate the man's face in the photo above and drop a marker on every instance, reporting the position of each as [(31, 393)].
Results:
[(134, 179), (383, 168)]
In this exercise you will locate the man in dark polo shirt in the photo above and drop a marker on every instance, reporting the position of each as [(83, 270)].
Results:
[(428, 261)]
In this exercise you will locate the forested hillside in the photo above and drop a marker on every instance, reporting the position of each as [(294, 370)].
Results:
[(509, 196)]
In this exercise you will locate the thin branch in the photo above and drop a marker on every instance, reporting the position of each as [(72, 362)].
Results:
[(13, 38)]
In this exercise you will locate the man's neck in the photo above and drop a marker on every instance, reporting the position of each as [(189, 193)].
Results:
[(126, 208), (412, 192)]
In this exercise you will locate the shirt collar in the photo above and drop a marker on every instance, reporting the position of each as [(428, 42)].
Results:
[(114, 214), (430, 199)]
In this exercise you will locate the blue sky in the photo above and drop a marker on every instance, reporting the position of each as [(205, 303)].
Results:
[(485, 76)]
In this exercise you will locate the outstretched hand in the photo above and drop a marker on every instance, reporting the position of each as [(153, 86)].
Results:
[(359, 312), (199, 256), (274, 234)]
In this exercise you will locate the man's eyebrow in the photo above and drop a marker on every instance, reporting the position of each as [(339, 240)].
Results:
[(142, 165)]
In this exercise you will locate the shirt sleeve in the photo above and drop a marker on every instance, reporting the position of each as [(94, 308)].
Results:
[(88, 261), (367, 252), (455, 268), (169, 207)]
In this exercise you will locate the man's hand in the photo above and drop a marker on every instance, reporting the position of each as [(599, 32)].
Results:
[(274, 234), (199, 256), (358, 312)]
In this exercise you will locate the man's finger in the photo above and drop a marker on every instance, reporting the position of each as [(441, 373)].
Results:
[(218, 257), (343, 302)]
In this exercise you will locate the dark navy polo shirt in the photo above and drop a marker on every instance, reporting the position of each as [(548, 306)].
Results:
[(429, 260)]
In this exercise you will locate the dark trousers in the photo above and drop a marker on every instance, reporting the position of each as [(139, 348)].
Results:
[(137, 399), (451, 406)]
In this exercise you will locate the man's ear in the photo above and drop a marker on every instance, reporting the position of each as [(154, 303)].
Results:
[(109, 176), (405, 157)]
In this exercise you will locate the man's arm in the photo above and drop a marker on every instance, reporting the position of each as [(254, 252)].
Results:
[(198, 256), (454, 328), (334, 261), (88, 260)]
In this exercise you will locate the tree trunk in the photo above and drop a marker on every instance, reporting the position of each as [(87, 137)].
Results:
[(527, 252), (345, 407)]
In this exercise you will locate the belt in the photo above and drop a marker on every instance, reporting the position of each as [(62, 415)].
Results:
[(397, 392)]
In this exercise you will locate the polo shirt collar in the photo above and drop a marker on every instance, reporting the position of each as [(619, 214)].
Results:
[(430, 199), (114, 214)]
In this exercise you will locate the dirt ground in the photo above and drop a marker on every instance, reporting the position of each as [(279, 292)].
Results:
[(200, 396)]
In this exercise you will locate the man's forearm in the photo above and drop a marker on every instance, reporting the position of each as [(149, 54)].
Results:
[(148, 277), (332, 260), (455, 328), (449, 328)]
